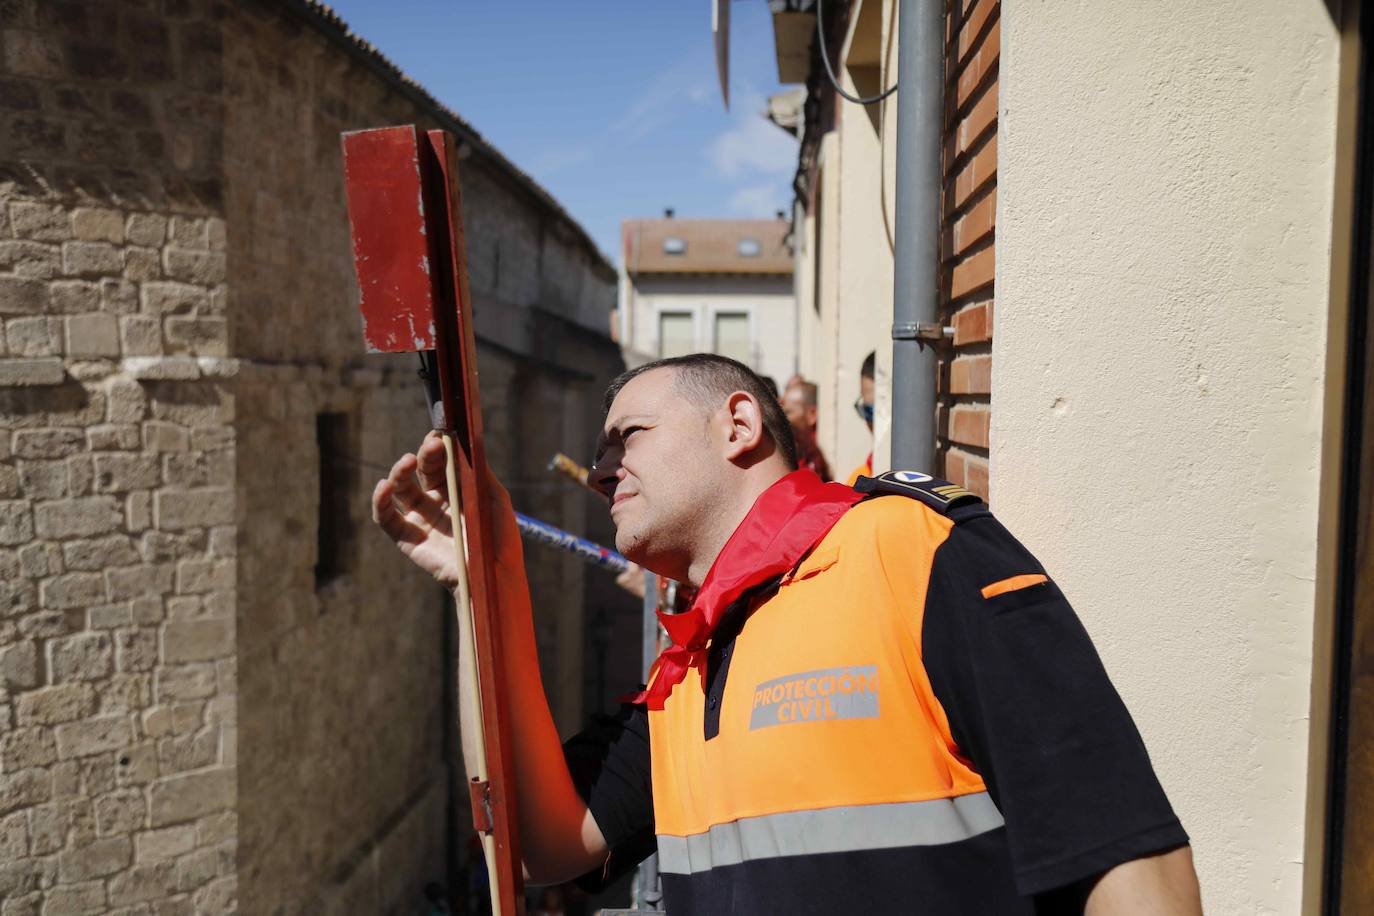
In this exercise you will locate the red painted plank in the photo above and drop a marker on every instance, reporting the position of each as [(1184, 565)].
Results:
[(390, 248), (458, 351), (406, 214)]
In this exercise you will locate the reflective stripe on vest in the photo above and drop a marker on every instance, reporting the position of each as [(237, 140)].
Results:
[(847, 829)]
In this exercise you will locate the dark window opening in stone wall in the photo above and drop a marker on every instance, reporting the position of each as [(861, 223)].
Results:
[(335, 529)]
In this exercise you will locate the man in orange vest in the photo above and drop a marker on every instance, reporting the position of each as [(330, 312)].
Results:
[(879, 701)]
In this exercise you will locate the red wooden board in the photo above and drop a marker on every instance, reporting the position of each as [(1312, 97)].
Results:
[(406, 214), (458, 359), (385, 189)]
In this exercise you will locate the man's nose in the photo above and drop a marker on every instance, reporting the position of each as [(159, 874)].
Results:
[(604, 477)]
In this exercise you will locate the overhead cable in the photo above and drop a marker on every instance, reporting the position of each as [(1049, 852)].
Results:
[(829, 71)]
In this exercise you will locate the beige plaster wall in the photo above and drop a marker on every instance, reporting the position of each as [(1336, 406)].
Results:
[(857, 182), (1162, 276), (820, 314), (865, 273), (855, 315)]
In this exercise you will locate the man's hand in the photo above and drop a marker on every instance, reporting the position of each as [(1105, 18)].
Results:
[(411, 505), (561, 839), (632, 580)]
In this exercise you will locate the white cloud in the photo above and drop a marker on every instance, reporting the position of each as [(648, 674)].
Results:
[(760, 201), (656, 105), (555, 159), (752, 145)]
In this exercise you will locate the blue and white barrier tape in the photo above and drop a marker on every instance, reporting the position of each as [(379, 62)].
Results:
[(556, 537)]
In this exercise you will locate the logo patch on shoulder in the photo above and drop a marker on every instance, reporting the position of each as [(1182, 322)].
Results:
[(940, 495)]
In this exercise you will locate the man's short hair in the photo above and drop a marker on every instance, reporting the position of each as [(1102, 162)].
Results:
[(866, 370), (706, 380)]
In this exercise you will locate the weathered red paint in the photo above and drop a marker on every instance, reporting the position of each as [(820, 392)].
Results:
[(406, 212), (386, 208)]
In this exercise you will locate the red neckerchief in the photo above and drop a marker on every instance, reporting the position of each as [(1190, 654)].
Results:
[(785, 522)]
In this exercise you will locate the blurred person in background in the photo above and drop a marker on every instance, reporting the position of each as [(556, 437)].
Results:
[(799, 404), (864, 407)]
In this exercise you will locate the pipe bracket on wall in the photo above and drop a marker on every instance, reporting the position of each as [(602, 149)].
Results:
[(921, 330)]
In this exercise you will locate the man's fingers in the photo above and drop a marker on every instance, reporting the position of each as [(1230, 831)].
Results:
[(432, 462), (417, 504), (415, 536), (381, 501), (384, 511), (402, 478)]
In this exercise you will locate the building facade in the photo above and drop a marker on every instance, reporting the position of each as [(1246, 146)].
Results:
[(845, 219), (718, 286), (1151, 268), (221, 689)]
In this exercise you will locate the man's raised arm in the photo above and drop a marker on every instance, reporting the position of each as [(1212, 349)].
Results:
[(1158, 885), (560, 838)]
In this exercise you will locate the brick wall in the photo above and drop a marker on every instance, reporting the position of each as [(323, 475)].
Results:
[(969, 237)]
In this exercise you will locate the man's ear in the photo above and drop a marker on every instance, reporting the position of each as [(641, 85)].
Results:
[(745, 432)]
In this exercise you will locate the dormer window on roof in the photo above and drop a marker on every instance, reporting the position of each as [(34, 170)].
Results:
[(674, 245), (749, 248)]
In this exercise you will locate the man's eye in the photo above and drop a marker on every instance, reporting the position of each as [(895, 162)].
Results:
[(629, 431)]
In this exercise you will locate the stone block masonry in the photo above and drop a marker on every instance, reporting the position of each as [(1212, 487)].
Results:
[(61, 296), (176, 317), (117, 576), (116, 752)]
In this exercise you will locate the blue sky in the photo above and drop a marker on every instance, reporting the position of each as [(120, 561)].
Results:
[(612, 105)]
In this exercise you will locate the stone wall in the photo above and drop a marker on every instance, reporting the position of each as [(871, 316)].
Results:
[(342, 703), (195, 716), (344, 732), (342, 698), (117, 675), (117, 515)]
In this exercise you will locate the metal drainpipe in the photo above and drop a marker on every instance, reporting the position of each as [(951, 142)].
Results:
[(916, 289), (798, 240)]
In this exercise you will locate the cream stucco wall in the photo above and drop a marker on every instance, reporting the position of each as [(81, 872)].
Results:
[(819, 312), (856, 180), (1163, 229), (864, 324)]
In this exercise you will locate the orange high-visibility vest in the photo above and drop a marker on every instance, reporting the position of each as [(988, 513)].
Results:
[(830, 738)]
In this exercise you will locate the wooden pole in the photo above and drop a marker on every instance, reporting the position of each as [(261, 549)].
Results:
[(467, 652), (412, 277)]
